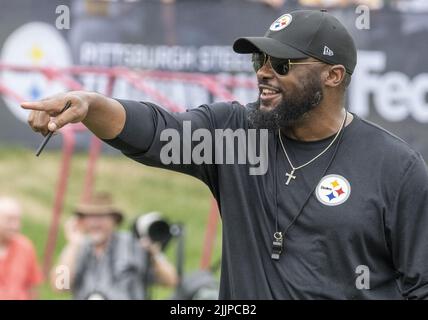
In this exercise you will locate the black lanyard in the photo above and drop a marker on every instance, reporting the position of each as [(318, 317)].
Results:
[(278, 237)]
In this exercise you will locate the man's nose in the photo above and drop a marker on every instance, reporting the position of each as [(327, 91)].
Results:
[(265, 72)]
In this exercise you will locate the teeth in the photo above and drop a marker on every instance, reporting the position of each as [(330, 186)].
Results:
[(268, 91)]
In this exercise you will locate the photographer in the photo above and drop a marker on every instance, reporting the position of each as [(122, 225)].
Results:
[(104, 263)]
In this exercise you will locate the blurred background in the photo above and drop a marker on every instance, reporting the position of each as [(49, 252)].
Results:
[(177, 54)]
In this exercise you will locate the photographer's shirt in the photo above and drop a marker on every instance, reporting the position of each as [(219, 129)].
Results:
[(361, 235), (118, 274)]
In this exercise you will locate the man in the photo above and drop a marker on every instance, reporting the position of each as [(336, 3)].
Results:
[(104, 263), (342, 210), (19, 270)]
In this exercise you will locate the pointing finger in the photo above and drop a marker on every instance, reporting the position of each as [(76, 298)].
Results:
[(34, 105), (51, 106)]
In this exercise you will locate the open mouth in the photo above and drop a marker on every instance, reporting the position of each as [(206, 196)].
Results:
[(268, 94)]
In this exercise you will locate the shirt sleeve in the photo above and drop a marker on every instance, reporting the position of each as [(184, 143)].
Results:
[(141, 140), (408, 236)]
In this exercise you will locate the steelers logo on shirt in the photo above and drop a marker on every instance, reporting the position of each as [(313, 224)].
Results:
[(281, 22), (333, 190)]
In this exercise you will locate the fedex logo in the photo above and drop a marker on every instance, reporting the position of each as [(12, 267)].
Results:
[(395, 95)]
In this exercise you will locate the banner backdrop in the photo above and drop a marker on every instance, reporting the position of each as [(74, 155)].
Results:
[(389, 86)]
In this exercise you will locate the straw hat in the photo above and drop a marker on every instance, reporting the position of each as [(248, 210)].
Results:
[(100, 204)]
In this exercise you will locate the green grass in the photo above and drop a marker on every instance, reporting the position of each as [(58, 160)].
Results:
[(136, 189)]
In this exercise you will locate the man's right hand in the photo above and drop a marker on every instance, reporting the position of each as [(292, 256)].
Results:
[(46, 114), (72, 231), (104, 116)]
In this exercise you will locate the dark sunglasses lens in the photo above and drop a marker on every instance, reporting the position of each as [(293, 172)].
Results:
[(280, 66), (258, 61)]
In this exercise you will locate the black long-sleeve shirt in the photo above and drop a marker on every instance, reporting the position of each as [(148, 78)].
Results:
[(362, 234)]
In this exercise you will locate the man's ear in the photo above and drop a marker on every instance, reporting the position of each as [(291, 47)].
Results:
[(335, 75)]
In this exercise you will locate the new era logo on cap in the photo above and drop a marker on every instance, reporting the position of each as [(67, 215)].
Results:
[(328, 51)]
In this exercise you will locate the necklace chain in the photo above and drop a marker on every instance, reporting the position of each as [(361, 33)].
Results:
[(316, 157), (278, 236)]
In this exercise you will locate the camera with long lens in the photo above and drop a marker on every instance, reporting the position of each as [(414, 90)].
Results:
[(198, 285), (154, 227)]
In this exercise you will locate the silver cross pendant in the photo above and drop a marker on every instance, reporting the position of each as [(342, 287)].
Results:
[(290, 176)]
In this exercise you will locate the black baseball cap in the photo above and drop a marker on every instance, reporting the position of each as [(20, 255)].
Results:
[(302, 34)]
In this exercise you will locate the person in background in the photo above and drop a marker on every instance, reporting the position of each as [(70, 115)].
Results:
[(104, 263), (19, 271)]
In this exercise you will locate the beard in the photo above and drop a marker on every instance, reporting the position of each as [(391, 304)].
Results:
[(292, 108)]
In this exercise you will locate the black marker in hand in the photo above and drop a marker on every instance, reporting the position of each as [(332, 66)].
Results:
[(49, 135)]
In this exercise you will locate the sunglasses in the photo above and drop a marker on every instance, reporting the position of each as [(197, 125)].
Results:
[(280, 66)]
